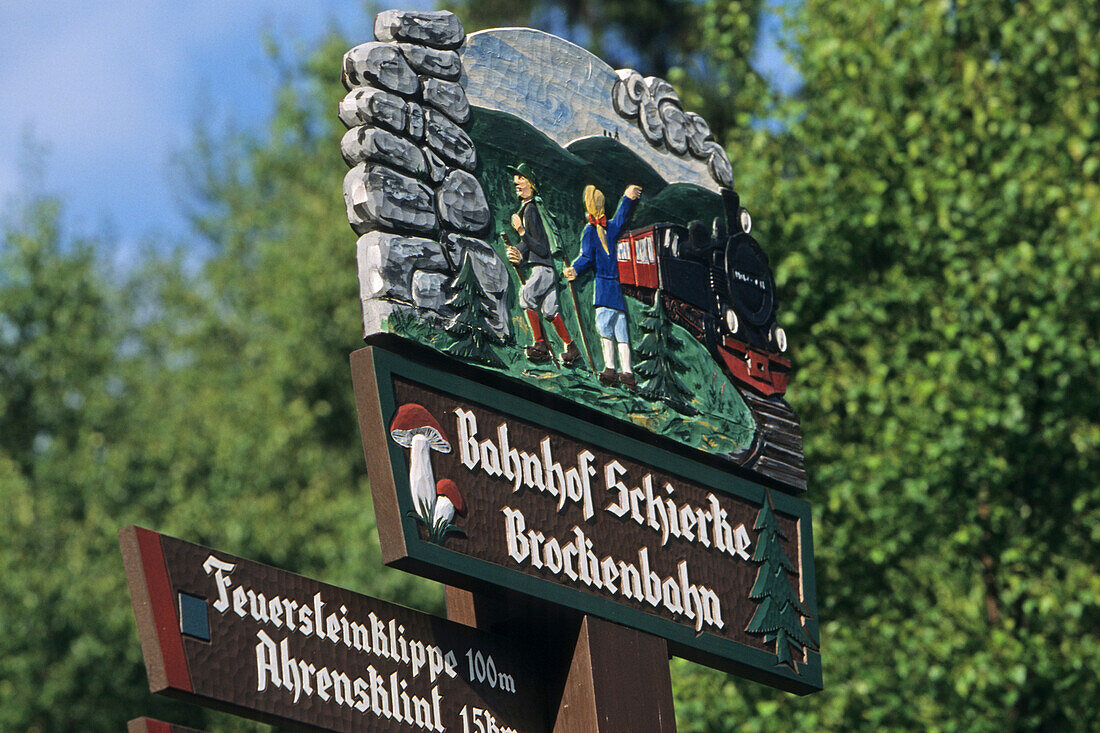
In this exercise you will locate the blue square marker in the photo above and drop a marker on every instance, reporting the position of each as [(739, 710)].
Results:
[(193, 617)]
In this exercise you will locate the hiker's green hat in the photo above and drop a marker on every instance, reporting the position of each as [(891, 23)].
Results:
[(525, 171)]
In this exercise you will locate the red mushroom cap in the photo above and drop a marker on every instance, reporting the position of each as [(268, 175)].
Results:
[(446, 487), (411, 420)]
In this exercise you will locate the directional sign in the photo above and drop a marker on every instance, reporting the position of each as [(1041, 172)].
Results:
[(481, 487), (244, 637)]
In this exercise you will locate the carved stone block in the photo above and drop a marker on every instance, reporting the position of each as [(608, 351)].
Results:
[(379, 196), (429, 290), (660, 90), (447, 97), (627, 92), (449, 140), (370, 106), (433, 62), (439, 29), (460, 203), (676, 126), (718, 163), (698, 135), (387, 261), (649, 119), (437, 169), (382, 64), (414, 126), (369, 143), (376, 311)]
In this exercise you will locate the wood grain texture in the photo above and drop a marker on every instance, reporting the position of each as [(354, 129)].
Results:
[(600, 676), (486, 556), (618, 680), (387, 512), (289, 650), (154, 610), (564, 91)]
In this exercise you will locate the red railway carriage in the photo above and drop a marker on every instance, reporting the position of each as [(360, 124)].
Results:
[(718, 285), (637, 252)]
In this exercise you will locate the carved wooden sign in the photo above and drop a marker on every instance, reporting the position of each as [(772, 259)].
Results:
[(237, 635), (482, 487), (525, 208)]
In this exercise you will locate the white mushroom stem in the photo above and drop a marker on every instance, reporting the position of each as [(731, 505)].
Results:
[(421, 478), (444, 510)]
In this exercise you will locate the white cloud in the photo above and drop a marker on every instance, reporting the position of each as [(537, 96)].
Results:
[(113, 89)]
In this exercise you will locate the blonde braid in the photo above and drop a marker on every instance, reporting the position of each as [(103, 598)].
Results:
[(593, 204)]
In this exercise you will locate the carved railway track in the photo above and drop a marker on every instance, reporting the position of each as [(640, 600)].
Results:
[(777, 450)]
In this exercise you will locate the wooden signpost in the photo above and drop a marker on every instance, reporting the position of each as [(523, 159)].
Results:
[(247, 638), (571, 405)]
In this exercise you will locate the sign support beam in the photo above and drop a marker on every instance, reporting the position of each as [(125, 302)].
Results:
[(607, 677)]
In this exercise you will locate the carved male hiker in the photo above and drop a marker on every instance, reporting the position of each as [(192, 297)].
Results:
[(599, 242), (540, 291)]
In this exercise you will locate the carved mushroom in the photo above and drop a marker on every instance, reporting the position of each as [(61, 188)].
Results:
[(448, 501), (414, 427)]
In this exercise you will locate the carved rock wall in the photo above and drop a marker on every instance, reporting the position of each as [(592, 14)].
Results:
[(411, 193)]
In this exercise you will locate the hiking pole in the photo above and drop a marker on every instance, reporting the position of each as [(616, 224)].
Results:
[(573, 294), (577, 313), (519, 277)]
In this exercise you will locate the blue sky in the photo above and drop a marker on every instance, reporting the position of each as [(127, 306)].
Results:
[(110, 94)]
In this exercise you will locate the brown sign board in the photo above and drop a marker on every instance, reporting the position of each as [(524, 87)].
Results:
[(484, 487), (250, 639)]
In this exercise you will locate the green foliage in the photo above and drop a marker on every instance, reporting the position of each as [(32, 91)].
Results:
[(64, 456), (211, 405), (930, 203)]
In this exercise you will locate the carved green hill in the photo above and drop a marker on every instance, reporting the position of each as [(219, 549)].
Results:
[(724, 424)]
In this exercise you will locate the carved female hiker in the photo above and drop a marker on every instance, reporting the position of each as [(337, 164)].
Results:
[(540, 291), (598, 250)]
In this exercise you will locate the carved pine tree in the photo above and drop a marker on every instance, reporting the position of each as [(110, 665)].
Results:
[(780, 613), (470, 327), (660, 363)]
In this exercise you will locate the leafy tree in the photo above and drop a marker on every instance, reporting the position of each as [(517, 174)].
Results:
[(930, 203), (210, 404), (64, 457), (469, 328)]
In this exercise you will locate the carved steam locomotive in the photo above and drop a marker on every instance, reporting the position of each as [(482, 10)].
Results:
[(715, 282)]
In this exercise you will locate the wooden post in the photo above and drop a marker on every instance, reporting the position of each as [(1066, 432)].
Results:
[(618, 681), (601, 677)]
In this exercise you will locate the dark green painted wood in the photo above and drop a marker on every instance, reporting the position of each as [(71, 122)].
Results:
[(431, 560)]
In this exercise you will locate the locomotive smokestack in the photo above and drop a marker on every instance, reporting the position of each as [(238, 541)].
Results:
[(731, 202)]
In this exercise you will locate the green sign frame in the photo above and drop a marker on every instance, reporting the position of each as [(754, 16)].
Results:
[(403, 546)]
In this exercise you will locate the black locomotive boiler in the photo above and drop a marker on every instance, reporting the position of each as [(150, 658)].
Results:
[(717, 283)]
